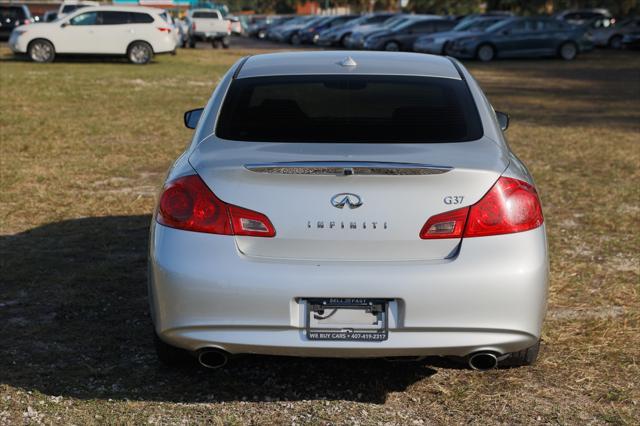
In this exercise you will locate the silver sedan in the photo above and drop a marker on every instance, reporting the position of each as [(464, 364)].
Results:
[(348, 204)]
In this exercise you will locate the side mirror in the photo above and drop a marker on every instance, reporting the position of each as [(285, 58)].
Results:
[(192, 117), (503, 120)]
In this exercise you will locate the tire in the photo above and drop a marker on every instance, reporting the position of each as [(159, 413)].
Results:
[(225, 42), (215, 43), (444, 48), (485, 53), (295, 40), (343, 40), (392, 46), (262, 34), (524, 357), (568, 51), (615, 42), (41, 51), (139, 53)]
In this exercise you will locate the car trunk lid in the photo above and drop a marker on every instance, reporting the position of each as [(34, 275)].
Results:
[(300, 188)]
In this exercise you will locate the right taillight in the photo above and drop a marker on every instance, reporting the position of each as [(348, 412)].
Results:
[(511, 205), (188, 204)]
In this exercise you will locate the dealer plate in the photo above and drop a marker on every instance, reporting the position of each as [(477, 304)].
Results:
[(347, 319)]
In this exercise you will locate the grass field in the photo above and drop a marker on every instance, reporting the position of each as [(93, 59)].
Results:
[(84, 146)]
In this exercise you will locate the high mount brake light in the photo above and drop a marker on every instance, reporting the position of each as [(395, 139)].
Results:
[(511, 205), (188, 204)]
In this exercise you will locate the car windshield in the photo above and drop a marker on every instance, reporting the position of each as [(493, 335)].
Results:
[(475, 24), (349, 109), (499, 25), (389, 23)]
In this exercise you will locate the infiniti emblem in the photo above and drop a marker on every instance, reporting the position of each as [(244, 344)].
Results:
[(346, 199)]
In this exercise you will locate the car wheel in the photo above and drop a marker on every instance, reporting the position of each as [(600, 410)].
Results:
[(295, 40), (392, 46), (615, 42), (167, 354), (41, 51), (485, 53), (139, 53), (568, 51), (343, 40), (524, 357), (444, 48), (262, 34), (225, 42), (215, 43)]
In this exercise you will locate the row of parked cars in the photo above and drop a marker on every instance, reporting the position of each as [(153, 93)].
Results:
[(481, 36)]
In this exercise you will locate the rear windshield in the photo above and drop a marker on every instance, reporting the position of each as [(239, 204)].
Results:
[(208, 15), (349, 109)]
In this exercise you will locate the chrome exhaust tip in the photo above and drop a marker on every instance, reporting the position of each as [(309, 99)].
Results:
[(483, 361), (213, 358)]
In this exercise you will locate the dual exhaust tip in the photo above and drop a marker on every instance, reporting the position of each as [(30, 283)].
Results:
[(483, 361), (217, 358), (213, 358)]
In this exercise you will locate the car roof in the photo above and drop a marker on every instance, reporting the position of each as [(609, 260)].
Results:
[(333, 62), (108, 7)]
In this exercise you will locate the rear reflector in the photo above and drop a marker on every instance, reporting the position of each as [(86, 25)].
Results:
[(164, 29), (188, 204), (511, 205)]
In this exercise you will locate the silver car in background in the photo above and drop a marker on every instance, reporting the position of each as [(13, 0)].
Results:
[(348, 204)]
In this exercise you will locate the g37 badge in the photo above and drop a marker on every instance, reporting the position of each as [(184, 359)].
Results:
[(453, 199)]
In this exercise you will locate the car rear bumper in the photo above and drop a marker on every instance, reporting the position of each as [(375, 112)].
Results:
[(205, 293)]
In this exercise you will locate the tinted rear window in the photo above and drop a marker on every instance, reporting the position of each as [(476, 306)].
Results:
[(350, 109), (208, 15)]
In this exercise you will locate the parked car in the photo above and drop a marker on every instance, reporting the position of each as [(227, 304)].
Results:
[(274, 30), (236, 25), (11, 17), (370, 209), (522, 37), (631, 40), (310, 33), (259, 26), (612, 35), (356, 39), (582, 16), (68, 6), (288, 31), (337, 35), (176, 29), (138, 33), (403, 36), (208, 25), (435, 43)]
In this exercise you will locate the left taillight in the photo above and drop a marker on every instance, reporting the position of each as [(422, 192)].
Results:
[(188, 204), (164, 29)]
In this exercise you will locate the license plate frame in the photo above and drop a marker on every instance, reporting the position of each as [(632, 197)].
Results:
[(377, 307)]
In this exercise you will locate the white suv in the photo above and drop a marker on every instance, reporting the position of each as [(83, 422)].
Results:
[(137, 32)]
